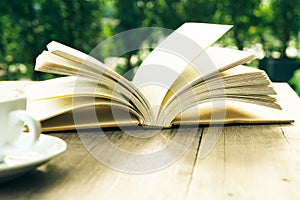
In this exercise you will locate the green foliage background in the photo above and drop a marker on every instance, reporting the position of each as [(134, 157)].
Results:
[(268, 26)]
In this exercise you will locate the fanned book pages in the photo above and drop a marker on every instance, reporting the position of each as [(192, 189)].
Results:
[(184, 80)]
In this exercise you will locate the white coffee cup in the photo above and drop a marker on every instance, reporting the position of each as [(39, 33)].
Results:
[(12, 119)]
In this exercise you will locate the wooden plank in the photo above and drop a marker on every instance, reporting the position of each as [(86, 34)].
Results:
[(77, 173), (208, 177), (258, 163), (251, 162), (291, 105)]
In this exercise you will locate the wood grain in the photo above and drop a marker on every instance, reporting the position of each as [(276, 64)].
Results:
[(77, 173)]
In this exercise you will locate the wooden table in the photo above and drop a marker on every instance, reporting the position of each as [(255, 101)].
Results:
[(248, 162)]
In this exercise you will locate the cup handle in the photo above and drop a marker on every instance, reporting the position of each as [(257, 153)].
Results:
[(34, 126)]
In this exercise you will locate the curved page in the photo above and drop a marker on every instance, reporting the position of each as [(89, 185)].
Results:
[(165, 63)]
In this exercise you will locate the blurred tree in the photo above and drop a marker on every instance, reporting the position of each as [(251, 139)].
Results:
[(29, 25), (130, 16), (13, 22), (286, 22), (164, 13), (240, 14)]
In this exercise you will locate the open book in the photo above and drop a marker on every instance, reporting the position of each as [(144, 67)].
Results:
[(184, 80)]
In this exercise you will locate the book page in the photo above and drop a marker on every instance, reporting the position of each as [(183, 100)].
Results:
[(105, 118), (240, 80), (211, 63), (48, 108), (167, 61), (71, 86), (244, 84), (61, 59), (87, 63), (235, 112)]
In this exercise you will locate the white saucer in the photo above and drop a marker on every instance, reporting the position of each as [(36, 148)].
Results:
[(21, 160)]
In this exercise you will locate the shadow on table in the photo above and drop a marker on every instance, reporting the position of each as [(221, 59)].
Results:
[(41, 178)]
